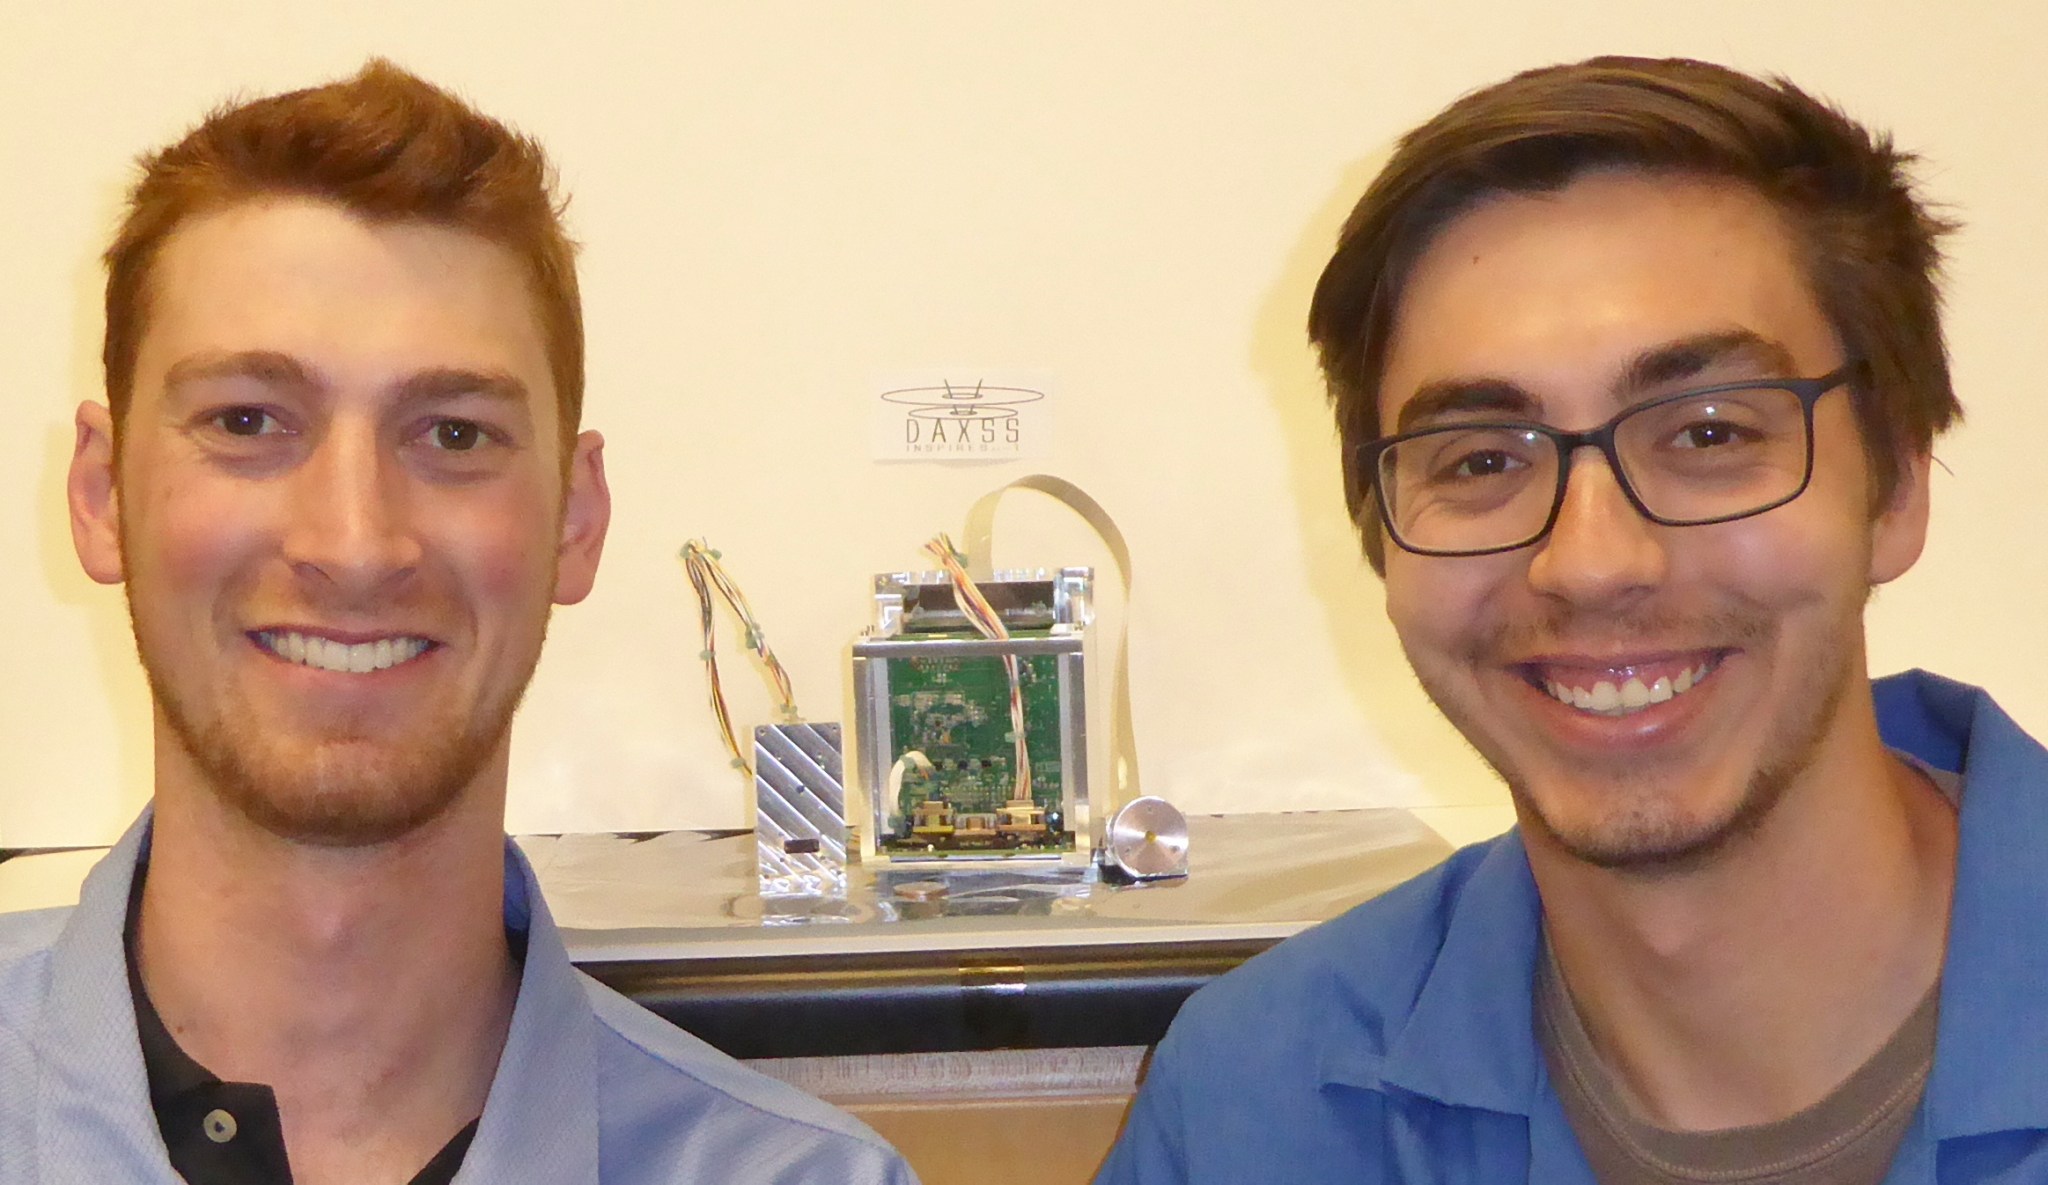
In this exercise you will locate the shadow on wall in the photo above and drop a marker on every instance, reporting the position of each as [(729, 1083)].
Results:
[(1375, 671)]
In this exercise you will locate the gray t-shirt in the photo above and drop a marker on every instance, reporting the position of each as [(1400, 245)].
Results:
[(1847, 1138)]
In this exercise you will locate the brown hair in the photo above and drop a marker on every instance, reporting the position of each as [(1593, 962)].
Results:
[(386, 145), (1869, 244)]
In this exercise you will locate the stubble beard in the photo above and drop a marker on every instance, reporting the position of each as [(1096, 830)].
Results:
[(1641, 832), (348, 788)]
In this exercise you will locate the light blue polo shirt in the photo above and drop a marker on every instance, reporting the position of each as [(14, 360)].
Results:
[(591, 1089)]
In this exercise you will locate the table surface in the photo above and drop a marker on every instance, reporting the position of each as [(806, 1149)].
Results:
[(1012, 955), (684, 895), (687, 895), (1020, 956)]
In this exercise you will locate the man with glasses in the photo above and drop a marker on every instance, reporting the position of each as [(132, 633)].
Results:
[(1637, 367)]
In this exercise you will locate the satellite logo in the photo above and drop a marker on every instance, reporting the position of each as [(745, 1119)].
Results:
[(978, 421)]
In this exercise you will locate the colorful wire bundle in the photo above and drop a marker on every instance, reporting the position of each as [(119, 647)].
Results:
[(706, 576), (990, 624)]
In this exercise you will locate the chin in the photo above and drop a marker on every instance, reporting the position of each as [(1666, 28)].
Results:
[(1652, 839), (354, 812), (342, 793)]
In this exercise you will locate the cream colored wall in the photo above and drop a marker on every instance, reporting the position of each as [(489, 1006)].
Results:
[(783, 201)]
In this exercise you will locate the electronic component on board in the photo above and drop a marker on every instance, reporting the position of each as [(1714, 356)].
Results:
[(970, 711)]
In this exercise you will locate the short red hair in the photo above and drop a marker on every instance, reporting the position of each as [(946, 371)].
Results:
[(386, 145)]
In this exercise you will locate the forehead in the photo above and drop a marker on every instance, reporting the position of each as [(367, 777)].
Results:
[(362, 302), (1557, 293)]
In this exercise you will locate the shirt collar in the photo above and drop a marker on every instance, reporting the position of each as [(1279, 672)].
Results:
[(547, 1076), (94, 1105), (170, 1070), (1994, 1016), (185, 1094), (1470, 1038)]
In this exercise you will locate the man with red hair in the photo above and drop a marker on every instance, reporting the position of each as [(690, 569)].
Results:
[(339, 471)]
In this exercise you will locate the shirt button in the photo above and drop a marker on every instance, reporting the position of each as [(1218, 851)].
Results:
[(218, 1125)]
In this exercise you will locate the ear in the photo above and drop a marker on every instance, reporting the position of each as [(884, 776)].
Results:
[(94, 492), (1900, 529), (586, 514)]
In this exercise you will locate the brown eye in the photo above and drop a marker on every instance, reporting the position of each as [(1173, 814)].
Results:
[(457, 435), (243, 421), (1484, 464), (1708, 435)]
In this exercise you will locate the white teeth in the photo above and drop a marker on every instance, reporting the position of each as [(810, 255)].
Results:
[(1631, 696), (326, 654)]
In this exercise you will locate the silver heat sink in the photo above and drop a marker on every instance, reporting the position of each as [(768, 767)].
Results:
[(800, 810)]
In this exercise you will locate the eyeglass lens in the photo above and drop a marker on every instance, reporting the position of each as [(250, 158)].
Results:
[(1692, 459)]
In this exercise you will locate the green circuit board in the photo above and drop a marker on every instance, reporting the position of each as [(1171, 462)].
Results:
[(956, 711)]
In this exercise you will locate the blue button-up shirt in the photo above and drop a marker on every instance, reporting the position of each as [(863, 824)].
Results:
[(1397, 1043), (590, 1088)]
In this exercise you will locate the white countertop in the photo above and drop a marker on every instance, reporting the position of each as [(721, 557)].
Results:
[(691, 895)]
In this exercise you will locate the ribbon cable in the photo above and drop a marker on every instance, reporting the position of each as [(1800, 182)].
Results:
[(979, 535)]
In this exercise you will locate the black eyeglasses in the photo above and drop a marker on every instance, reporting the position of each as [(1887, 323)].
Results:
[(1711, 455)]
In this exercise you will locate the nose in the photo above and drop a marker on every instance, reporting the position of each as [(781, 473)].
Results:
[(350, 524), (1600, 549)]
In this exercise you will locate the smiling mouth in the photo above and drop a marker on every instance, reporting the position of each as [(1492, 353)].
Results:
[(1624, 692), (348, 658)]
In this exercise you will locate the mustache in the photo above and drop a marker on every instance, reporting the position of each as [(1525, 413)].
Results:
[(1561, 627)]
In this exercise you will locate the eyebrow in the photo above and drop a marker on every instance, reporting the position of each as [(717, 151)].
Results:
[(1692, 356), (271, 368), (447, 382), (1443, 397), (1655, 367), (276, 369)]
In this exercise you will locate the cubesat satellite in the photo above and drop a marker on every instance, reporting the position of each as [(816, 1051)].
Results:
[(972, 746)]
